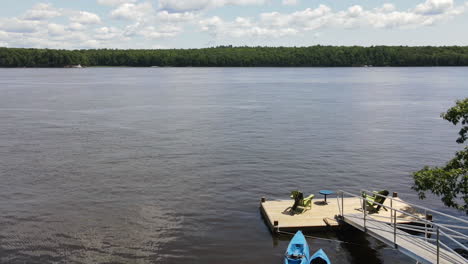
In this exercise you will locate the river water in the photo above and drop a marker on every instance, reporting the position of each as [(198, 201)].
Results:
[(167, 165)]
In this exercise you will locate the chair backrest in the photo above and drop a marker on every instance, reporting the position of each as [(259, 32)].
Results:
[(367, 196), (380, 199), (297, 195)]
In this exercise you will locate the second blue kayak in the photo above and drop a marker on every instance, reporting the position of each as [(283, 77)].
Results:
[(320, 258)]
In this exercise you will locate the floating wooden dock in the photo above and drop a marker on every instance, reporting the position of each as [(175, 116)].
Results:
[(389, 224), (323, 216)]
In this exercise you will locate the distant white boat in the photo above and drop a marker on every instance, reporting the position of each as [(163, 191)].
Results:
[(73, 66)]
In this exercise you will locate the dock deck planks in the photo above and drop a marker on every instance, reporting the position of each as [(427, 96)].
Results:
[(313, 219)]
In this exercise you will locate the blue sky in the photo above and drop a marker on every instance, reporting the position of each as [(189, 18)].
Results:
[(203, 23)]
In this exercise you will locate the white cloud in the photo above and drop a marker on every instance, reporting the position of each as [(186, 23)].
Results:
[(42, 12), (308, 18), (114, 2), (3, 35), (355, 11), (92, 44), (159, 46), (243, 27), (186, 5), (76, 27), (84, 17), (275, 24), (143, 24), (387, 7), (167, 31), (130, 11), (290, 2), (56, 29), (18, 25), (165, 16), (431, 7), (107, 33), (211, 24), (152, 24), (153, 32)]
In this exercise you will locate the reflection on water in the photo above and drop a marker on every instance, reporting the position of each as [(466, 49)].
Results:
[(136, 234), (167, 165)]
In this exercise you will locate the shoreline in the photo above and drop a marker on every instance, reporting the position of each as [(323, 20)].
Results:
[(227, 56), (236, 67)]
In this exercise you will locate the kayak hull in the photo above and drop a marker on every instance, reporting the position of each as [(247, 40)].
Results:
[(319, 257), (298, 250)]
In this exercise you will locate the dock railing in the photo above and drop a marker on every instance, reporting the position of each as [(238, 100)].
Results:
[(445, 234)]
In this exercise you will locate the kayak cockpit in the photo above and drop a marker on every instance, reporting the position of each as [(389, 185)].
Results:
[(319, 260), (295, 256)]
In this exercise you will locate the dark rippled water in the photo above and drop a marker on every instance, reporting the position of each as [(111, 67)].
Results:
[(167, 165)]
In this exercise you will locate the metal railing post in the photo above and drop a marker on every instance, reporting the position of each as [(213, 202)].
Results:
[(391, 206), (364, 202), (438, 245), (425, 224), (394, 228), (342, 204)]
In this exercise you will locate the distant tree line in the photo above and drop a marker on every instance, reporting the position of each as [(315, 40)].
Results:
[(228, 56)]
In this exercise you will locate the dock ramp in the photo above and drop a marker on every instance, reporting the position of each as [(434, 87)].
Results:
[(424, 240)]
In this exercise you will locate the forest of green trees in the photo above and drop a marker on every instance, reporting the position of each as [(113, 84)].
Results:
[(228, 56)]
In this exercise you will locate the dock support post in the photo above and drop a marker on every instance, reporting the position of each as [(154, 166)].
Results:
[(263, 200), (395, 195), (438, 245), (276, 226)]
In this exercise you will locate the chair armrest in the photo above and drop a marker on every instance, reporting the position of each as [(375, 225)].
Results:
[(368, 197), (310, 197)]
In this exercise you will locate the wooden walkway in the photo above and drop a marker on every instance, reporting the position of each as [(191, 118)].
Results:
[(323, 215), (417, 248)]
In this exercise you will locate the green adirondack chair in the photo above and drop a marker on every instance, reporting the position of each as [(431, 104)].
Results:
[(372, 200), (300, 202)]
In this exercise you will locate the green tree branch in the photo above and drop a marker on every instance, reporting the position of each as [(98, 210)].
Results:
[(449, 182)]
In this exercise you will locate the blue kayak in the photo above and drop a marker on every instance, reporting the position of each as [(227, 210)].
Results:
[(298, 250), (320, 258)]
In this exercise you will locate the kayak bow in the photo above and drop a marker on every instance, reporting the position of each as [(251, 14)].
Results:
[(298, 250), (320, 258)]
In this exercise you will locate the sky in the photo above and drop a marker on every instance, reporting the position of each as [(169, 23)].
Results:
[(153, 24)]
